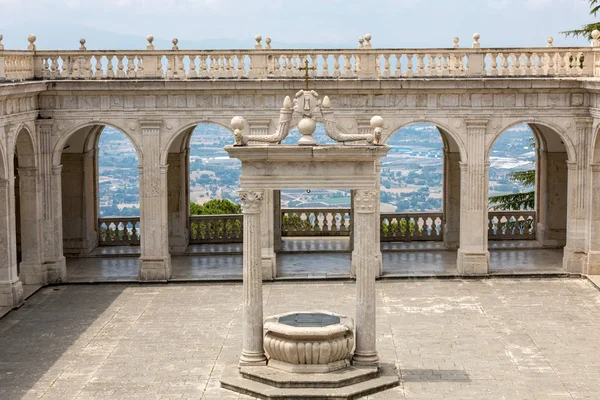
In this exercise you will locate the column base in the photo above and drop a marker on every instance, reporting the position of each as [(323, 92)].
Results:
[(57, 271), (154, 269), (574, 261), (593, 265), (33, 273), (248, 359), (269, 267), (473, 262), (11, 294), (365, 359)]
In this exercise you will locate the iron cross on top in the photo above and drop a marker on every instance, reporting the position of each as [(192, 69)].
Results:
[(307, 68)]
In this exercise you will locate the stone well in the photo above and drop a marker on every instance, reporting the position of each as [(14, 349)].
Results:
[(309, 342)]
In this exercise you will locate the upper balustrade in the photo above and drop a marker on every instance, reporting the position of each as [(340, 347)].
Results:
[(365, 62)]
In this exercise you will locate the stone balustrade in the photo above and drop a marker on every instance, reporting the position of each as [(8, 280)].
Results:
[(315, 222), (506, 225), (409, 227), (223, 228), (297, 222), (362, 63), (119, 231)]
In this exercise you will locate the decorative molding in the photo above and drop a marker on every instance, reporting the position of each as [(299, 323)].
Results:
[(365, 201)]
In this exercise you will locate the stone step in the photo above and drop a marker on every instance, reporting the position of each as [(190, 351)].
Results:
[(283, 379), (386, 378)]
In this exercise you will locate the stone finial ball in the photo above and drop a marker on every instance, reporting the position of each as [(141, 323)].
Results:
[(307, 126), (376, 122), (258, 38), (175, 41), (31, 38), (82, 41), (150, 38), (361, 40), (368, 37), (268, 40), (550, 39), (476, 36), (1, 37), (595, 34), (237, 123)]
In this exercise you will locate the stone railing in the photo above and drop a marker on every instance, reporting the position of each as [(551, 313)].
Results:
[(364, 62), (315, 222), (506, 225), (119, 231), (224, 228), (295, 222), (408, 227)]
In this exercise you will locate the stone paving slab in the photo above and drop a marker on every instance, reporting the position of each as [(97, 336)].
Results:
[(450, 339)]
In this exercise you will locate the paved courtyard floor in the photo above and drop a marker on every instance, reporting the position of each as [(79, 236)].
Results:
[(493, 338)]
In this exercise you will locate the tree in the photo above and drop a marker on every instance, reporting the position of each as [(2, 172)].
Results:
[(516, 201), (215, 206), (586, 30)]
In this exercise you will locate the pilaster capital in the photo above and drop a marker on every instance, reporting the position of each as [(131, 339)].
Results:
[(476, 124), (584, 123), (365, 201), (151, 124), (251, 201), (57, 169), (44, 126)]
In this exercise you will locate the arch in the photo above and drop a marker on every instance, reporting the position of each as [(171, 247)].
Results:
[(538, 134), (184, 133), (449, 138), (24, 147), (64, 139)]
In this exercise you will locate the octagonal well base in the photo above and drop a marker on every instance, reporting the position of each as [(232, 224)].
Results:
[(349, 383)]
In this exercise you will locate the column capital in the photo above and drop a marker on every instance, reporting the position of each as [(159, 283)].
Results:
[(44, 125), (365, 201), (584, 122), (251, 201)]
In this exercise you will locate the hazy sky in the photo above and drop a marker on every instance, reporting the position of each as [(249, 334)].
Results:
[(392, 23)]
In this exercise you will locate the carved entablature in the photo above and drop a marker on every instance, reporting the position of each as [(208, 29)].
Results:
[(16, 105)]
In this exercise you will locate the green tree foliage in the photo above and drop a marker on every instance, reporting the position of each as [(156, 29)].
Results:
[(516, 201), (215, 206), (586, 30)]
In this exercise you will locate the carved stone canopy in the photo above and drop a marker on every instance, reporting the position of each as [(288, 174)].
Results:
[(308, 110)]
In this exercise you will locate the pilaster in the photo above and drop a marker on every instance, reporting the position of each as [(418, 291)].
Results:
[(473, 255), (268, 229), (155, 260), (178, 202), (32, 270), (451, 198), (575, 258), (11, 288)]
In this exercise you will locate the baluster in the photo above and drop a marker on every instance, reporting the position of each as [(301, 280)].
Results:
[(444, 65), (324, 67), (140, 66), (409, 65), (347, 66), (561, 64), (277, 66), (511, 67), (503, 65), (203, 66), (131, 67), (98, 69), (193, 68), (53, 67), (110, 71), (549, 57), (430, 65), (180, 68), (120, 73), (386, 65), (336, 65), (493, 65), (420, 65)]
